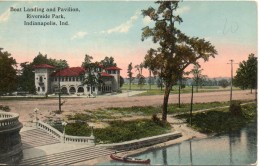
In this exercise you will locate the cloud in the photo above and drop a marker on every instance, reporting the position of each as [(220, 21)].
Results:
[(182, 10), (146, 20), (5, 16), (79, 35), (124, 27)]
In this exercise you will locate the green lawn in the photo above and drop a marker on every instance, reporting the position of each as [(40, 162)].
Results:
[(119, 131), (175, 90), (220, 120)]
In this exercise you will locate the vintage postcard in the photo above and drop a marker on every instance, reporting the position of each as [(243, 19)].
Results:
[(128, 82)]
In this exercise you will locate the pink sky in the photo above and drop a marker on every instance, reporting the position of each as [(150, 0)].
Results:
[(215, 67)]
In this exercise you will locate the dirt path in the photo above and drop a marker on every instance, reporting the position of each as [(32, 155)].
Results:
[(73, 105)]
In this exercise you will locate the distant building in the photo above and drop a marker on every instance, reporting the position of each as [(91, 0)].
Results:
[(47, 80)]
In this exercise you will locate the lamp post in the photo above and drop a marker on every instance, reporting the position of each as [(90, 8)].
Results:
[(64, 124), (35, 111), (59, 91)]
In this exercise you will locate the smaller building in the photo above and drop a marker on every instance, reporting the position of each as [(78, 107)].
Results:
[(73, 80)]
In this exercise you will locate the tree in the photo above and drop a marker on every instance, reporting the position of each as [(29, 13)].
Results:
[(43, 59), (246, 77), (223, 83), (130, 74), (108, 62), (93, 77), (26, 79), (122, 81), (7, 73), (59, 64), (87, 60), (140, 77), (175, 51), (40, 59), (198, 78)]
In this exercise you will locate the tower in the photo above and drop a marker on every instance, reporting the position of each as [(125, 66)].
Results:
[(42, 78), (114, 71)]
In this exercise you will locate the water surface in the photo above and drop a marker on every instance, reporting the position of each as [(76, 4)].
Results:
[(235, 148)]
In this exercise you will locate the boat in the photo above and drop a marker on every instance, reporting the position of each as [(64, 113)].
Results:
[(129, 159)]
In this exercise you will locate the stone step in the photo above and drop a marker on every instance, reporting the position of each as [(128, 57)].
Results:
[(36, 137), (68, 157)]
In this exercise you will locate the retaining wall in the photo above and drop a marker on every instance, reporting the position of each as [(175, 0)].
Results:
[(144, 142)]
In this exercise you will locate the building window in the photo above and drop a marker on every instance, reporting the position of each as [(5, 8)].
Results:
[(43, 89), (93, 89), (69, 78), (39, 89), (41, 79), (73, 78), (88, 88), (66, 78)]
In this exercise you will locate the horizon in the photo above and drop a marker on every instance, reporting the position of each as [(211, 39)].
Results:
[(108, 28)]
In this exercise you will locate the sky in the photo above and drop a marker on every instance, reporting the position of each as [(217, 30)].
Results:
[(114, 28)]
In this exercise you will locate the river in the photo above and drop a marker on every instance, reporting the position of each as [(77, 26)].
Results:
[(235, 148)]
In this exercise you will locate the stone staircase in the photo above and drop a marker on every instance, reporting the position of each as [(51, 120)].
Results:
[(68, 157), (36, 137)]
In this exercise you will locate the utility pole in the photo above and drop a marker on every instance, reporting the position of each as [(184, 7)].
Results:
[(191, 103), (231, 80), (59, 95)]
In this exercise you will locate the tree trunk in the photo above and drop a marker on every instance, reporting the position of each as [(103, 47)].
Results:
[(165, 102), (179, 98)]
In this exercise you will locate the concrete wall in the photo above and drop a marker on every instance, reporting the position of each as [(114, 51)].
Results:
[(144, 142)]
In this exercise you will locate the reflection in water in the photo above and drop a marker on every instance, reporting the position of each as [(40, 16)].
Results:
[(230, 151), (190, 153), (236, 148), (164, 155)]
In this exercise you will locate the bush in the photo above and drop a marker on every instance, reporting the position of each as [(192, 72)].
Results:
[(5, 108), (235, 108)]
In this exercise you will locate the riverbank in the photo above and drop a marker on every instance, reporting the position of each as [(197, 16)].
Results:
[(177, 125)]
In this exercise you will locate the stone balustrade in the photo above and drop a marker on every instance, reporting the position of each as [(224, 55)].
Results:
[(49, 129), (65, 138), (8, 120), (10, 139), (79, 140)]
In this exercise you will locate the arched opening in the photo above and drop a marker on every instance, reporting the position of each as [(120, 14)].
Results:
[(72, 90), (64, 90), (80, 90)]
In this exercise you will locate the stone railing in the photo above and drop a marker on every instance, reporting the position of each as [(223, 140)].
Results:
[(49, 129), (79, 140), (8, 120), (63, 137)]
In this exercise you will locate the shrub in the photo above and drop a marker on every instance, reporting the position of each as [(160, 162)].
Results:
[(235, 108), (5, 108)]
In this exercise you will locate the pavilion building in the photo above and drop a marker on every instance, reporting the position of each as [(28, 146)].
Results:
[(70, 80)]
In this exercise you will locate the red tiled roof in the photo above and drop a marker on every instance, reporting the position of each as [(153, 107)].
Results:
[(113, 68), (72, 71), (103, 74), (101, 66), (44, 66)]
